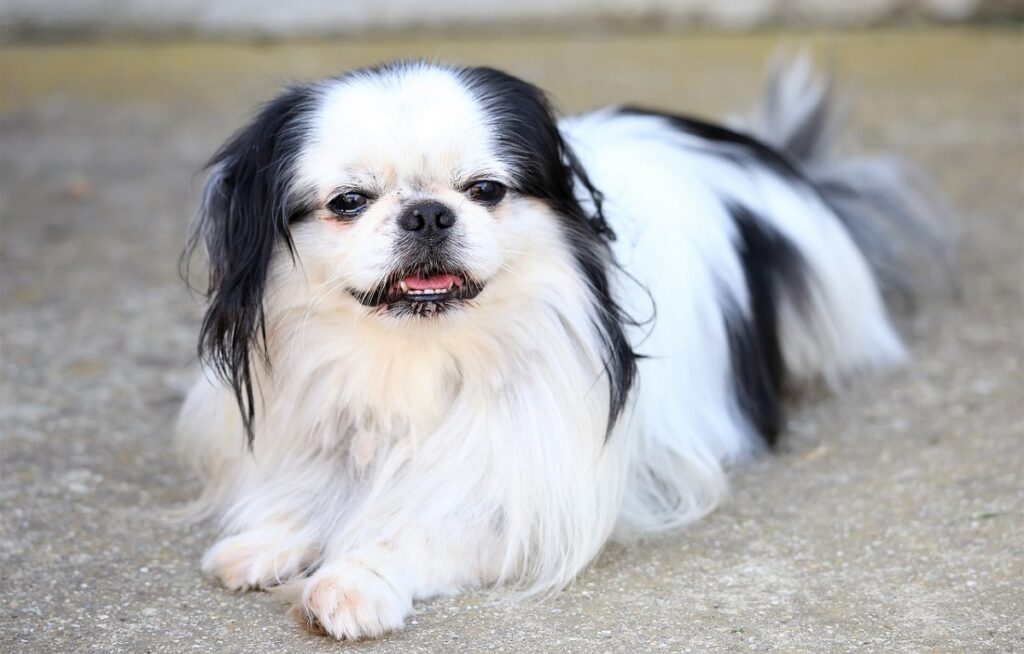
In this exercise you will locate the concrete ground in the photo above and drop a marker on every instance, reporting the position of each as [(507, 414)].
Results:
[(891, 519)]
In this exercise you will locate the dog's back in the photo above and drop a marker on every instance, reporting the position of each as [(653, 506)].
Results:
[(761, 247)]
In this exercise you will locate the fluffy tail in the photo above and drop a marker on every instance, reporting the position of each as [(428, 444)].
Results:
[(898, 221)]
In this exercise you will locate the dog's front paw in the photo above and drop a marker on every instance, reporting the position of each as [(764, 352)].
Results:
[(253, 560), (350, 600)]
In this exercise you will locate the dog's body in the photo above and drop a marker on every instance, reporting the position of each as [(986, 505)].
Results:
[(452, 376)]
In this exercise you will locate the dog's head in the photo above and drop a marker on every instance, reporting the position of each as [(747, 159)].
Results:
[(409, 192)]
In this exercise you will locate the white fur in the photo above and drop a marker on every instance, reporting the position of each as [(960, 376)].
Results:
[(664, 195), (397, 459)]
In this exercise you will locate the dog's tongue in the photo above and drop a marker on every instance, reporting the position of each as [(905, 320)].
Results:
[(434, 281)]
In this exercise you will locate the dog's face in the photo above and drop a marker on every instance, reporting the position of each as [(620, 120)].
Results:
[(417, 209), (406, 193)]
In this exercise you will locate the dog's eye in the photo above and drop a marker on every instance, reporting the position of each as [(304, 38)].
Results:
[(347, 205), (486, 192)]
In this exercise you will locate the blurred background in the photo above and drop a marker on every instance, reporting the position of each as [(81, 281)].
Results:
[(306, 18), (892, 519)]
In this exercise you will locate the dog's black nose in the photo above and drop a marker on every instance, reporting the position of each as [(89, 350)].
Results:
[(427, 220)]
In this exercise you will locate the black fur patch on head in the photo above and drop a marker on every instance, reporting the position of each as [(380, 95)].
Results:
[(247, 207), (735, 146), (774, 272), (546, 168)]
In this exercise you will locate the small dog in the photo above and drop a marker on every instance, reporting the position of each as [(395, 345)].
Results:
[(454, 342)]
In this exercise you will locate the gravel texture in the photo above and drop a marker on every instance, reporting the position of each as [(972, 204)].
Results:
[(891, 519)]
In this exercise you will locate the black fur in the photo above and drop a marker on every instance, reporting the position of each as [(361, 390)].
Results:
[(247, 207), (546, 168), (773, 270), (736, 146)]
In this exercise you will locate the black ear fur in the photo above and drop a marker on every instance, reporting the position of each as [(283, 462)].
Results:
[(247, 207), (547, 168)]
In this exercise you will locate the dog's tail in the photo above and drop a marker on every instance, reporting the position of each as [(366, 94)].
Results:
[(898, 221)]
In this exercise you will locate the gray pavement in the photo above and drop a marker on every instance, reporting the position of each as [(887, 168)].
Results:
[(891, 519)]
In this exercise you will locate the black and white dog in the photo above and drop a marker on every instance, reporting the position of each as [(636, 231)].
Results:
[(454, 342)]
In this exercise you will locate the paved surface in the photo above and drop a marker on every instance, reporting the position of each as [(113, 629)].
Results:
[(891, 520)]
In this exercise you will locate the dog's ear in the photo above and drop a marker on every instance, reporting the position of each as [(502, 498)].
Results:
[(544, 166), (244, 218)]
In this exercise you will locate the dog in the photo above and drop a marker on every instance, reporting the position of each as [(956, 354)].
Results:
[(452, 341)]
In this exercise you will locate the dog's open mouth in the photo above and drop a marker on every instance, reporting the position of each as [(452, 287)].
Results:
[(422, 292), (416, 288)]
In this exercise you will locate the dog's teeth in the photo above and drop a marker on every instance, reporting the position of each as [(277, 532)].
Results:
[(425, 291)]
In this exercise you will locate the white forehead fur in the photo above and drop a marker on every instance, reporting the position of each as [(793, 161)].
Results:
[(403, 128)]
